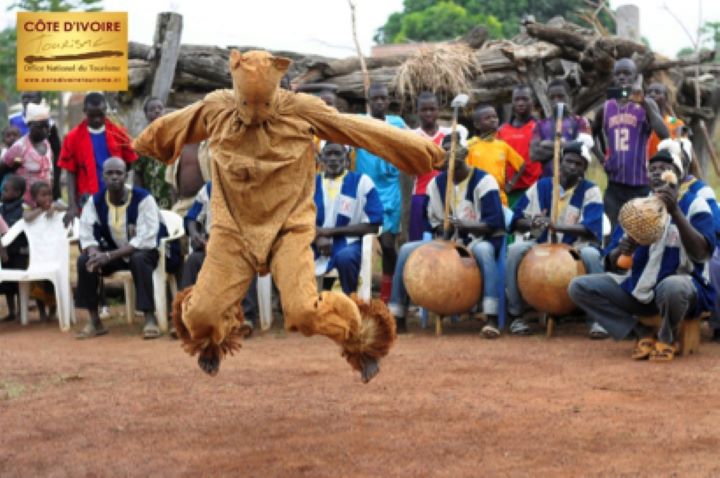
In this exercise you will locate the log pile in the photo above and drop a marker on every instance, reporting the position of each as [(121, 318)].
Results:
[(557, 49)]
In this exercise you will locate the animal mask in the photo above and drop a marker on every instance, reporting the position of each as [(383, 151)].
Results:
[(256, 76)]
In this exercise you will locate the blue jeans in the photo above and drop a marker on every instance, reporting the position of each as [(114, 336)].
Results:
[(590, 256), (484, 254)]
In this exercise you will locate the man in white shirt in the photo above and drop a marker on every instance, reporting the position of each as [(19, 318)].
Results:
[(119, 229)]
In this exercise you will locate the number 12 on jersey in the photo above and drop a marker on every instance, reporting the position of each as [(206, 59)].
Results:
[(622, 138)]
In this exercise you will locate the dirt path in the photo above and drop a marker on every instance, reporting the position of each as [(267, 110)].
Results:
[(453, 406)]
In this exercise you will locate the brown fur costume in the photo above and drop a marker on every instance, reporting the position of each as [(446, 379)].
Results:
[(262, 205)]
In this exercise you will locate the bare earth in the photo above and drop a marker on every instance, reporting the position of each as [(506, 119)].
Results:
[(289, 406)]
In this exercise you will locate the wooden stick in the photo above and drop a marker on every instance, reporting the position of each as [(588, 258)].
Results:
[(363, 66), (450, 184), (554, 213)]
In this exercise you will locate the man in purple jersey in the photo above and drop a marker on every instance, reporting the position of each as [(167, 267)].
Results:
[(622, 127)]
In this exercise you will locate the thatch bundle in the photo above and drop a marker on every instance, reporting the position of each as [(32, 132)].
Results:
[(445, 68)]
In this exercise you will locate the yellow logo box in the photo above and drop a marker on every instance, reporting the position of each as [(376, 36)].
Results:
[(72, 51)]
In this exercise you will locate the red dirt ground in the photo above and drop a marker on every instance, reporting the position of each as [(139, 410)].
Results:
[(289, 406)]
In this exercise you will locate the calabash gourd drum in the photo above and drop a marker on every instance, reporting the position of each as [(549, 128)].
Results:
[(443, 277), (545, 274), (643, 219)]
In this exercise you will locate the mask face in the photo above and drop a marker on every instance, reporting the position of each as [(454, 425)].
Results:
[(256, 77)]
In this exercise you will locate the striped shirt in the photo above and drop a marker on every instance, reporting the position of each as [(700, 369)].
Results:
[(200, 209), (666, 257), (357, 202), (626, 130), (478, 201), (582, 204)]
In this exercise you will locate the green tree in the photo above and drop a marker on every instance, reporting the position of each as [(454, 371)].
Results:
[(427, 20)]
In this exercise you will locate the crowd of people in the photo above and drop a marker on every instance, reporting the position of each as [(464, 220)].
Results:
[(502, 185)]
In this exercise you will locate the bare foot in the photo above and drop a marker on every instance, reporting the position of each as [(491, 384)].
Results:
[(370, 368)]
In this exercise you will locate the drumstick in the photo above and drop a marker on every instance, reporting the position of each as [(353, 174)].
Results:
[(554, 213)]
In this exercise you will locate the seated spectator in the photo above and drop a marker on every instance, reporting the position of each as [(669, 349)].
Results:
[(86, 148), (493, 155), (42, 291), (119, 230), (476, 214), (31, 157), (16, 256), (198, 222), (579, 225), (669, 277), (348, 207)]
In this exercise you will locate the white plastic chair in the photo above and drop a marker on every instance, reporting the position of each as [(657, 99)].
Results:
[(264, 284), (49, 260), (176, 230)]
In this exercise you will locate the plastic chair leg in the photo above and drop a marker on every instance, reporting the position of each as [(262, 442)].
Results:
[(62, 301), (24, 289), (264, 292)]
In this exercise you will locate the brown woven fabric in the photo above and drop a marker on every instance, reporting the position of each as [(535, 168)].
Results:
[(263, 171)]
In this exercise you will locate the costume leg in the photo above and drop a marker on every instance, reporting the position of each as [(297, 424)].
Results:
[(207, 316), (674, 297), (399, 299), (142, 265), (484, 253), (347, 261), (515, 254), (364, 331), (605, 302)]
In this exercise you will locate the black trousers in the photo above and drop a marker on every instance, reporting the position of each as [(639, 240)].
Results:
[(15, 261), (618, 194), (141, 264), (191, 269)]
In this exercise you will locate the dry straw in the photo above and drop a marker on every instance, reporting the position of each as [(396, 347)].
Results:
[(445, 69)]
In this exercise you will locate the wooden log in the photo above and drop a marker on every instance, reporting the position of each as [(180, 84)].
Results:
[(620, 47), (168, 31), (661, 63), (535, 73), (494, 96), (558, 36), (492, 59), (496, 79), (139, 51), (182, 98), (538, 50), (138, 73), (351, 85)]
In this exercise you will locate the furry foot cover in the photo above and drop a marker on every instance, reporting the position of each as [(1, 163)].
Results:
[(373, 340), (209, 353)]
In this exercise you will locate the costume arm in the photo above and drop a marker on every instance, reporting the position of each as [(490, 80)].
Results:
[(404, 149), (164, 138)]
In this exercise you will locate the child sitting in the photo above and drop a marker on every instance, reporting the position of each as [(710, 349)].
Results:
[(42, 291), (16, 256)]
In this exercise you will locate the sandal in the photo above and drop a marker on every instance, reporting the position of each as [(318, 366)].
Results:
[(643, 348), (151, 331), (663, 352), (490, 331), (91, 331)]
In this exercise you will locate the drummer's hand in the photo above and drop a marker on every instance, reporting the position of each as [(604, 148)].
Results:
[(627, 246), (324, 245), (540, 222), (458, 224), (669, 196)]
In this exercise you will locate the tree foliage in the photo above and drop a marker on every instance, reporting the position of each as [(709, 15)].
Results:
[(429, 20)]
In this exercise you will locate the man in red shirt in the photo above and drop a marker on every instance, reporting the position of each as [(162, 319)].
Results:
[(517, 133), (85, 149)]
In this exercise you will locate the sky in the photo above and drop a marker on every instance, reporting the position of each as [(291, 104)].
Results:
[(323, 26)]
